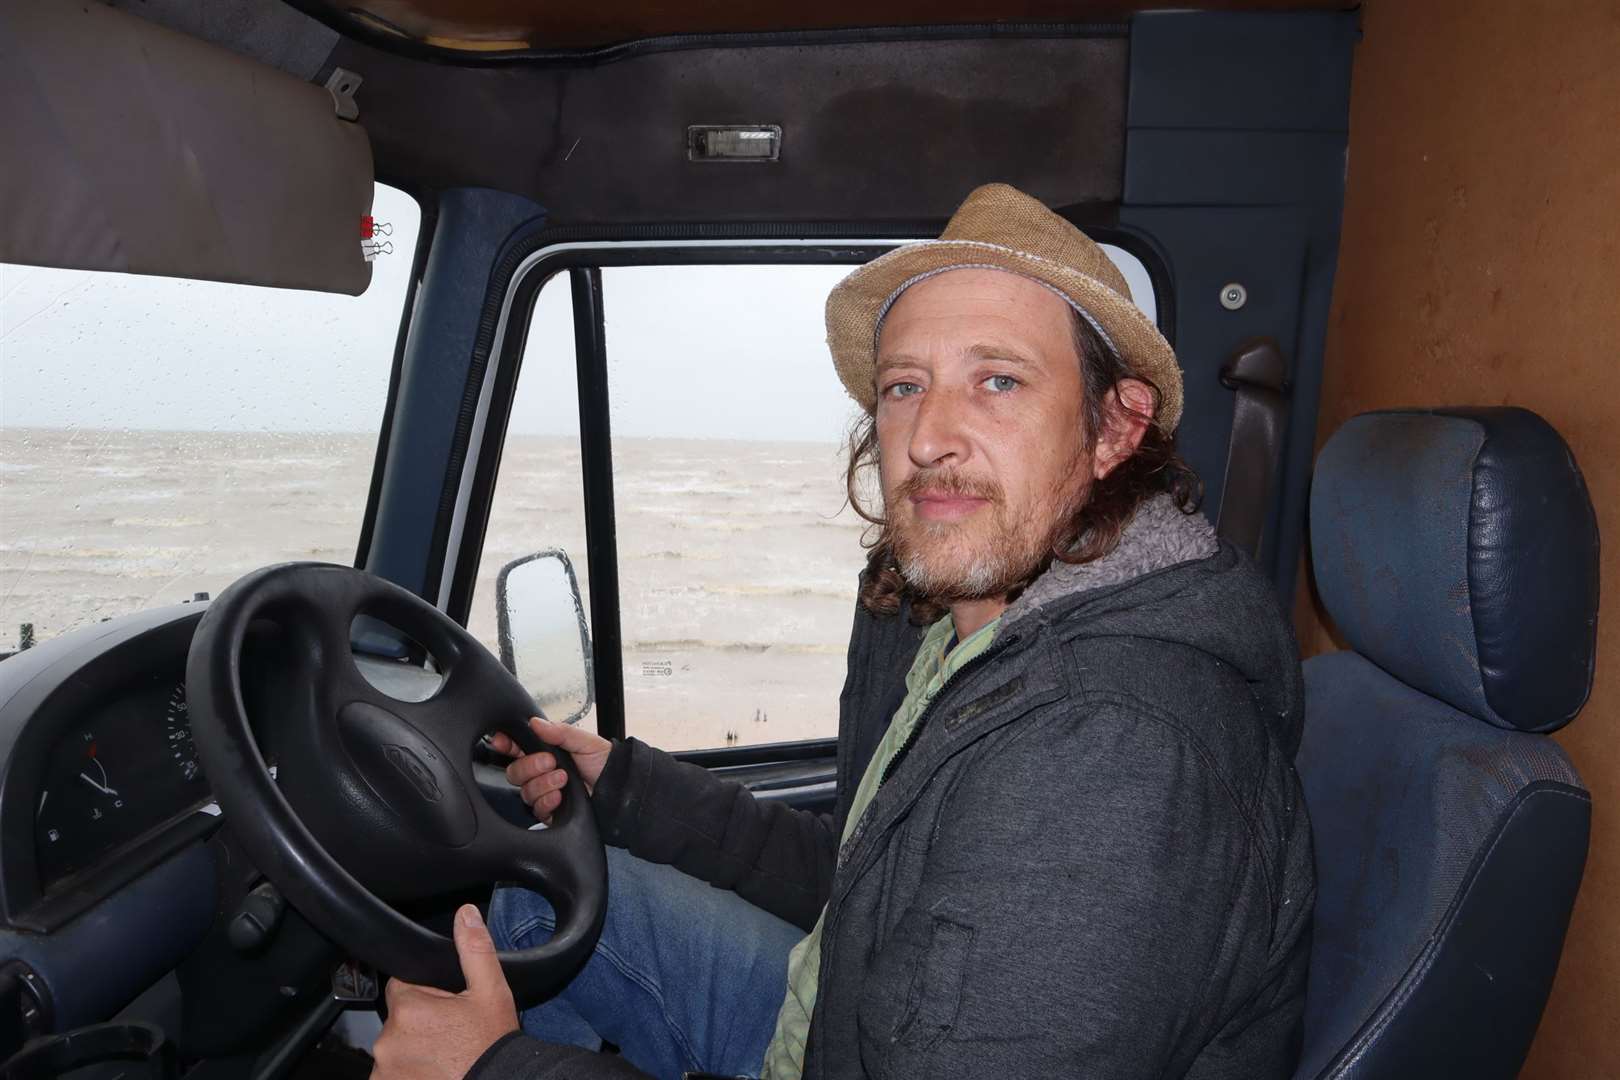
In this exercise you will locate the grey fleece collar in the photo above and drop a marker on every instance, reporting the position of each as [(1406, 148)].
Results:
[(1160, 535)]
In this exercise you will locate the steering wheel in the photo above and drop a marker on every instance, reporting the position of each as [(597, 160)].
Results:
[(373, 798)]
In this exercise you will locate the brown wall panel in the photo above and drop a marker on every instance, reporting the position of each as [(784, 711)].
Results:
[(1480, 265)]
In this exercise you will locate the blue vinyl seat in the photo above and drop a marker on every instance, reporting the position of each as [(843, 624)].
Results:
[(1456, 553)]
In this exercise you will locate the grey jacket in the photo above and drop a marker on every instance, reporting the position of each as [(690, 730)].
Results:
[(1093, 859)]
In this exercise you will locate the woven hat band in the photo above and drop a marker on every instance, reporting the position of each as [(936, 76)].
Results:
[(883, 312)]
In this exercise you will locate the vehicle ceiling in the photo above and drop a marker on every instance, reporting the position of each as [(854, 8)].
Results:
[(537, 24), (580, 110)]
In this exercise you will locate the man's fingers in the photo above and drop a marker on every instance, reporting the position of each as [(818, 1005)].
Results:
[(476, 949), (398, 993), (528, 767), (544, 785), (543, 805), (537, 775), (505, 744), (573, 739), (555, 734)]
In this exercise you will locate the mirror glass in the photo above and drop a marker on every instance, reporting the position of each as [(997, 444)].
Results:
[(542, 632)]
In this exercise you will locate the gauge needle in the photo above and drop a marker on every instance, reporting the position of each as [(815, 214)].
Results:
[(103, 788)]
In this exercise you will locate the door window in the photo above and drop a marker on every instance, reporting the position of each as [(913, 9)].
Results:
[(737, 558)]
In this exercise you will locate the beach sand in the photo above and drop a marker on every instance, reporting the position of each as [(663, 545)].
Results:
[(737, 560)]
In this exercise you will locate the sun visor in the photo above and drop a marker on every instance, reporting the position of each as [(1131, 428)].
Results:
[(127, 146)]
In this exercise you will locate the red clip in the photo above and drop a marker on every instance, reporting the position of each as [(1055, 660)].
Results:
[(368, 226)]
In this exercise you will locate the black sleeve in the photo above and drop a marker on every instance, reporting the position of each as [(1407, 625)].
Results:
[(667, 811), (779, 858), (518, 1057)]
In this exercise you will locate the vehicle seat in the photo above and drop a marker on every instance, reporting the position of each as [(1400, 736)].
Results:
[(1456, 552)]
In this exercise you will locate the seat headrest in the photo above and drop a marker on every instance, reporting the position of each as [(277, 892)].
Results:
[(1457, 549)]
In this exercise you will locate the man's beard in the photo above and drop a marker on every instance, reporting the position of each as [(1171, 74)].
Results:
[(991, 552)]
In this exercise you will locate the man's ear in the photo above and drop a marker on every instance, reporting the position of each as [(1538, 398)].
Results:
[(1127, 412)]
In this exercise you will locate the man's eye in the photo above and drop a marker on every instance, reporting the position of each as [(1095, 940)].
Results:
[(902, 389), (1001, 383)]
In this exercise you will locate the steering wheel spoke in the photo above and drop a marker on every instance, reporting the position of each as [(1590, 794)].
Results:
[(563, 862)]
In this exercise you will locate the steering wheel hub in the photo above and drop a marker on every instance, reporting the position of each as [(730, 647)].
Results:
[(407, 774)]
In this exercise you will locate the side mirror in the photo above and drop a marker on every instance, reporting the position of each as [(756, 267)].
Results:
[(540, 622)]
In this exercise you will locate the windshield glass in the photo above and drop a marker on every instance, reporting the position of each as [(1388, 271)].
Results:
[(159, 437)]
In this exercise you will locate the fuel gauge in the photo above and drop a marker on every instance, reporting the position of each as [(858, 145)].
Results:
[(82, 807)]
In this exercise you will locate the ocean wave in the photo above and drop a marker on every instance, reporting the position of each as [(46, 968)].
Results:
[(718, 525), (706, 490), (323, 462), (829, 592), (749, 522), (790, 648), (158, 523), (147, 495)]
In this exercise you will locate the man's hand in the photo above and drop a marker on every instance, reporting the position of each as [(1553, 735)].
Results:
[(537, 776), (432, 1034)]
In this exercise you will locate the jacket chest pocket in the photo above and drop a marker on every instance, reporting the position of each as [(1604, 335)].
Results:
[(913, 988)]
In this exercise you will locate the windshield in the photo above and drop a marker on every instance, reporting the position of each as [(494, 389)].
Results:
[(159, 437)]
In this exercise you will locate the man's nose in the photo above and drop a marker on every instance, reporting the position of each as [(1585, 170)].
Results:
[(938, 437)]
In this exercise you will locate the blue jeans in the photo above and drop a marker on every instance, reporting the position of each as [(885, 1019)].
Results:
[(685, 976)]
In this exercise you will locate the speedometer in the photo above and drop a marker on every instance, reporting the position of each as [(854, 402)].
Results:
[(177, 731)]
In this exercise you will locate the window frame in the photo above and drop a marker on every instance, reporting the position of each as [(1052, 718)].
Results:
[(427, 205), (583, 259)]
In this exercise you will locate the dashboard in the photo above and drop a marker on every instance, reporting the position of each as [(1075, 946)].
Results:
[(107, 873), (113, 871), (117, 772), (99, 776)]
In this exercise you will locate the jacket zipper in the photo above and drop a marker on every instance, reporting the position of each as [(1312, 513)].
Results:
[(995, 649)]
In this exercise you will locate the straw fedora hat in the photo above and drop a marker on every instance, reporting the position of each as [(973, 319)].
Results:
[(998, 227)]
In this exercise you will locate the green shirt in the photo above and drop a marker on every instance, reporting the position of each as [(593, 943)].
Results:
[(784, 1058)]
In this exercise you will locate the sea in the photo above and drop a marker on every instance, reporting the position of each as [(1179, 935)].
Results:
[(737, 560)]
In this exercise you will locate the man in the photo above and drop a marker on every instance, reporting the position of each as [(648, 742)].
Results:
[(1068, 840)]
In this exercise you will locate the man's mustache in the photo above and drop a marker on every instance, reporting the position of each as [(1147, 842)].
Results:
[(934, 484)]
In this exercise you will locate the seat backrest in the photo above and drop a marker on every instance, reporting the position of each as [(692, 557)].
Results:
[(1456, 553)]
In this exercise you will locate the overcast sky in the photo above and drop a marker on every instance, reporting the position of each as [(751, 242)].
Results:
[(733, 352)]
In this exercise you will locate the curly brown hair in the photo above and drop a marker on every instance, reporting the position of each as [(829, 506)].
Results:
[(1094, 529)]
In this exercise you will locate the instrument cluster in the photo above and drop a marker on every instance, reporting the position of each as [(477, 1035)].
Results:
[(124, 768)]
